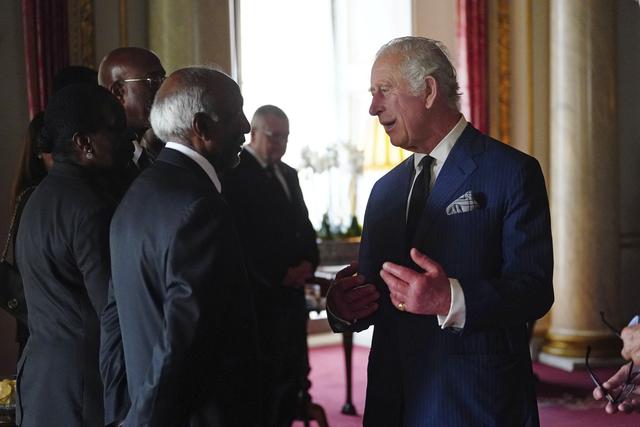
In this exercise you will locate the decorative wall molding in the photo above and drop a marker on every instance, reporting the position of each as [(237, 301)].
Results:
[(504, 72), (81, 33)]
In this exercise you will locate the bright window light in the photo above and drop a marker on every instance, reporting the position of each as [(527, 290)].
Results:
[(313, 58)]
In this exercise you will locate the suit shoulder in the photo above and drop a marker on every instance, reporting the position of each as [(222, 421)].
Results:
[(288, 169), (399, 170), (510, 160)]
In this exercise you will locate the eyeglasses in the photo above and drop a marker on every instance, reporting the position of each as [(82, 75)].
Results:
[(628, 387), (615, 331), (277, 137), (155, 81)]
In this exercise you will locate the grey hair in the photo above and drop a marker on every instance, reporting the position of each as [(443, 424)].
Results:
[(422, 57), (266, 110), (172, 115)]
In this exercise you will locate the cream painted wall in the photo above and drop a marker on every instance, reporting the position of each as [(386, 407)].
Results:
[(436, 19), (195, 35), (107, 26)]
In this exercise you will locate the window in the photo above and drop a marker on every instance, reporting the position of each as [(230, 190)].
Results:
[(313, 59)]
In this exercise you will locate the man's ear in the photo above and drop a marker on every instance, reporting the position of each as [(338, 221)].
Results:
[(117, 88), (82, 143), (203, 125), (431, 91)]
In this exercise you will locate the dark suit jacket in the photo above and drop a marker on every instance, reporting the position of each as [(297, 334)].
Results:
[(275, 231), (62, 252), (276, 234), (419, 374), (183, 302)]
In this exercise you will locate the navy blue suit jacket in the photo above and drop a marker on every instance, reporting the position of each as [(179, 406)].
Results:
[(183, 303), (501, 252)]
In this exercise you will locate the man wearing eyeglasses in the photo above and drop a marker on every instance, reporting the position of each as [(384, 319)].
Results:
[(134, 75), (280, 244)]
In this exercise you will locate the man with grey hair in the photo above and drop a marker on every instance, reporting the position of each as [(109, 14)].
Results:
[(455, 258), (183, 300), (280, 244)]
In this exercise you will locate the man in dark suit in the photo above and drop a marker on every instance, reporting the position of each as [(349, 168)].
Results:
[(280, 243), (133, 75), (183, 300), (455, 259)]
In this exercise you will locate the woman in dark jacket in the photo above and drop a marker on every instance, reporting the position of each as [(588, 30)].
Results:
[(62, 252)]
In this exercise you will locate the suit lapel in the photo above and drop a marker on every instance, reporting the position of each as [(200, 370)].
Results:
[(396, 199), (455, 171)]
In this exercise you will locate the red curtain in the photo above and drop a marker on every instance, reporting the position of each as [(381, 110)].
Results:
[(473, 46), (46, 47)]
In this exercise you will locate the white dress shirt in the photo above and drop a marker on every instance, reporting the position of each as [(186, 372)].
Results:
[(200, 160), (457, 310)]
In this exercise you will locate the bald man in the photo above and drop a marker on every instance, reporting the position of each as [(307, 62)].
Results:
[(280, 244), (185, 308), (133, 75)]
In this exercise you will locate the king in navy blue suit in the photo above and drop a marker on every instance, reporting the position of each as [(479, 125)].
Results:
[(455, 258)]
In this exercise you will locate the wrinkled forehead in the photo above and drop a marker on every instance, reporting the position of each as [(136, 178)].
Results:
[(386, 69)]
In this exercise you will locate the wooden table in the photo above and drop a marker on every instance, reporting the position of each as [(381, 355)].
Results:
[(334, 255)]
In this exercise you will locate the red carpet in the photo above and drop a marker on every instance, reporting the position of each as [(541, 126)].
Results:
[(564, 399)]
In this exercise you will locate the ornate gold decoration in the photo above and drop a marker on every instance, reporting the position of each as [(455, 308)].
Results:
[(504, 72), (576, 345), (81, 33)]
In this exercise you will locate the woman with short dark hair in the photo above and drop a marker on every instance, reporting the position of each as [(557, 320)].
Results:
[(62, 252)]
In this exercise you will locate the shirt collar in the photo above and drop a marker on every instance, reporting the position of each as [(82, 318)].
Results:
[(251, 151), (137, 151), (200, 160), (444, 147)]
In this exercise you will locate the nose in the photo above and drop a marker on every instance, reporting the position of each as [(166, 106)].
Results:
[(376, 107)]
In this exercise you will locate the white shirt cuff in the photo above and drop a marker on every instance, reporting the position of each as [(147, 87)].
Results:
[(457, 311)]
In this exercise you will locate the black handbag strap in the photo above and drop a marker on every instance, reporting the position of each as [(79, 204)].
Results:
[(22, 199)]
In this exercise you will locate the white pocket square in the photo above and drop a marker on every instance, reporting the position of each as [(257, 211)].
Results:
[(464, 203)]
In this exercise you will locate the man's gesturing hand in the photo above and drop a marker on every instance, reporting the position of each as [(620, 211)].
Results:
[(349, 298), (419, 293)]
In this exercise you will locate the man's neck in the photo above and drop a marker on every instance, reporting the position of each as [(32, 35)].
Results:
[(440, 127)]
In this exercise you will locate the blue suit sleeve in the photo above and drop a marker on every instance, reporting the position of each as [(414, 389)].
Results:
[(524, 290)]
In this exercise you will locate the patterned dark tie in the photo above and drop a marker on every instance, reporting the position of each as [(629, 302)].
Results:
[(419, 196)]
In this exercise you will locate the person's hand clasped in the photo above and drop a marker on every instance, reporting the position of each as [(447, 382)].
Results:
[(427, 292), (349, 298), (614, 386)]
